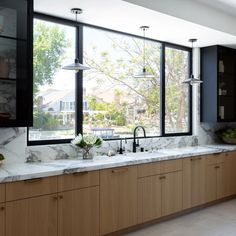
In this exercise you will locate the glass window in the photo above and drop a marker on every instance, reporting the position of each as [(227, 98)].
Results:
[(54, 88), (176, 93), (116, 101)]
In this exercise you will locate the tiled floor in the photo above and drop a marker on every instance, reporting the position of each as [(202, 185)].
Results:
[(218, 220)]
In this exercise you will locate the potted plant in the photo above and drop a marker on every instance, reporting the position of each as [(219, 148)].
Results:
[(86, 143)]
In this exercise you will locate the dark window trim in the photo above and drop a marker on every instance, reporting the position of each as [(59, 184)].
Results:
[(79, 80)]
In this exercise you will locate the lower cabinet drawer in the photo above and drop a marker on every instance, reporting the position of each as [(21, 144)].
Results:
[(149, 169), (171, 166), (30, 188), (78, 180), (215, 158)]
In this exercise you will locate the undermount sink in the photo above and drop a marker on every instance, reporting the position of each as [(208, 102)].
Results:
[(145, 154)]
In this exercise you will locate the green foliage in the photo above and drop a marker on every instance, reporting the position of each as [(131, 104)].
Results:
[(45, 121), (2, 157), (229, 133), (49, 46)]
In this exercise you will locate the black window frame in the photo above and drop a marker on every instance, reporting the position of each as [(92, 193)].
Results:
[(79, 81)]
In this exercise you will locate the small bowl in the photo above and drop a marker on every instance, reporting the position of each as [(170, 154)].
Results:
[(229, 140)]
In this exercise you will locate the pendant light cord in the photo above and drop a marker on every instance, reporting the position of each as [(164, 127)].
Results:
[(76, 16), (144, 49)]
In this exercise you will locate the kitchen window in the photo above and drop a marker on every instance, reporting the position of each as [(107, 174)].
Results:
[(107, 100)]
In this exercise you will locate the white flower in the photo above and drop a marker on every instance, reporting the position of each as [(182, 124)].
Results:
[(90, 139), (87, 141), (77, 140)]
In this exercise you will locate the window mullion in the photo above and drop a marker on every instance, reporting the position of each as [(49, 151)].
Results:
[(162, 91), (79, 82)]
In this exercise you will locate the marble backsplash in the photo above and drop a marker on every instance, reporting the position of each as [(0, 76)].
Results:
[(207, 132), (67, 151), (13, 144)]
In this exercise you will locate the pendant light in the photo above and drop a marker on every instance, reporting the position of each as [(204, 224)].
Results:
[(144, 73), (76, 66), (192, 80)]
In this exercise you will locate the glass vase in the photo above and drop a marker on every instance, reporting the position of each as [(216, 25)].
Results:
[(87, 154)]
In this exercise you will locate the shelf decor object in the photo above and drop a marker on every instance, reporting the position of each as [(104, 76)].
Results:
[(144, 73), (76, 66), (227, 135), (86, 143), (192, 80)]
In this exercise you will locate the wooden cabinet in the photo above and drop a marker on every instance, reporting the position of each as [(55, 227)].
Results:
[(172, 193), (102, 202), (193, 181), (31, 188), (162, 194), (118, 199), (16, 79), (2, 193), (229, 174), (149, 198), (2, 219), (219, 84), (215, 178), (33, 216), (78, 180), (78, 212)]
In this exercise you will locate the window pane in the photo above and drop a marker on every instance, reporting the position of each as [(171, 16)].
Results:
[(54, 88), (177, 94), (114, 101)]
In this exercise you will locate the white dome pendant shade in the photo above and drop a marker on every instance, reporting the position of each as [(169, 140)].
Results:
[(192, 80), (76, 66), (144, 73)]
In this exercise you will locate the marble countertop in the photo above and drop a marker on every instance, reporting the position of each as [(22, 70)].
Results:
[(24, 171)]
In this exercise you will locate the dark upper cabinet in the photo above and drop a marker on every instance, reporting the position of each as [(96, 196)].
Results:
[(16, 33), (218, 91)]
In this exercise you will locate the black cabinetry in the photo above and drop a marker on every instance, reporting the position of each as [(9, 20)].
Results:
[(218, 91), (16, 33)]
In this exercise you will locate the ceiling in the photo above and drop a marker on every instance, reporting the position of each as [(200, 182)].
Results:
[(124, 16), (227, 6)]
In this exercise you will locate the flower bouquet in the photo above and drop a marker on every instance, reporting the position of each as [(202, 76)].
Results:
[(86, 143)]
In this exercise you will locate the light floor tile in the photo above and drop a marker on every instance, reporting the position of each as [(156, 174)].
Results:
[(218, 220)]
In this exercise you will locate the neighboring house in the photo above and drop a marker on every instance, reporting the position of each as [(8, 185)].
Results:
[(60, 103)]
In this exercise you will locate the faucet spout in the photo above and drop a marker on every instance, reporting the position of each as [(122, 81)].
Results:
[(134, 138)]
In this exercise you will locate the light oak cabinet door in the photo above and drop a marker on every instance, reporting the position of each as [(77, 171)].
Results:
[(211, 183), (78, 212), (149, 198), (2, 193), (172, 193), (32, 217), (216, 182), (229, 174), (193, 182), (118, 199), (2, 219)]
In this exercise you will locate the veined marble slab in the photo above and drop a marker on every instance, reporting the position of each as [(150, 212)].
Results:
[(14, 172)]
